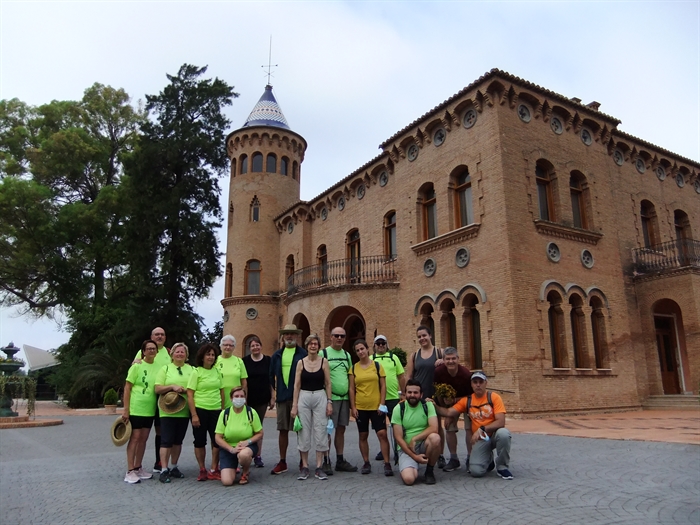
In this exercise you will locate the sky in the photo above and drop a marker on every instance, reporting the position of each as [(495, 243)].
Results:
[(351, 74)]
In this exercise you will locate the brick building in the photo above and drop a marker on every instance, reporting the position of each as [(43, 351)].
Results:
[(555, 251)]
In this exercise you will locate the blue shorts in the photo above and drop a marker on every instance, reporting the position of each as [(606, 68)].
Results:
[(228, 460)]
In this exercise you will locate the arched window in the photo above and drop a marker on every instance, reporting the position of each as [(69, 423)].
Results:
[(578, 190), (448, 323), (230, 214), (390, 235), (682, 225), (353, 255), (229, 280), (295, 170), (600, 342), (284, 162), (463, 199), (647, 214), (556, 331), (545, 199), (289, 267), (429, 211), (255, 209), (252, 277), (322, 261), (578, 335), (244, 164), (233, 167), (257, 166), (246, 344), (271, 163), (471, 324)]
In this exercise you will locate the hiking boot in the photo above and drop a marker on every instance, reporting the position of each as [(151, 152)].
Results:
[(279, 468), (366, 468), (452, 464), (441, 462), (379, 456), (388, 471), (320, 474), (303, 473), (132, 477), (164, 476), (157, 468), (175, 473), (202, 475), (344, 466), (214, 474), (142, 474), (429, 478), (327, 468), (504, 473), (258, 462)]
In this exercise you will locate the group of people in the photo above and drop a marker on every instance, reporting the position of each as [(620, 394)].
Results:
[(226, 398)]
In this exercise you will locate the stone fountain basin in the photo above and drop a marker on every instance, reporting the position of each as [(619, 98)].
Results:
[(10, 367)]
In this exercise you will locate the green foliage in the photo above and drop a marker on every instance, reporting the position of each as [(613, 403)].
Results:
[(214, 334), (400, 354), (111, 397), (20, 387)]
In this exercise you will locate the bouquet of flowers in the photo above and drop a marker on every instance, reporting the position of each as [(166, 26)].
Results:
[(444, 394)]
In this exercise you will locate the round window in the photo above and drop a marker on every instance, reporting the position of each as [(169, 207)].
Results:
[(640, 165), (383, 178), (524, 113), (553, 253), (660, 173), (469, 118), (586, 137), (341, 203), (439, 137), (556, 125), (462, 257), (587, 259), (412, 153)]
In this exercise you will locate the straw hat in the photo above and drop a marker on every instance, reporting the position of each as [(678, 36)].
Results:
[(120, 432), (290, 329), (171, 403)]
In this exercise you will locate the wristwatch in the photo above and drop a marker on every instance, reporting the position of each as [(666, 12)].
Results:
[(250, 441)]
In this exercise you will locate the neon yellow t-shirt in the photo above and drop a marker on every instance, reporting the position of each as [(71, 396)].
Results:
[(287, 358), (169, 375), (232, 371), (162, 357), (238, 427), (393, 368), (207, 388), (142, 401), (415, 420), (367, 393)]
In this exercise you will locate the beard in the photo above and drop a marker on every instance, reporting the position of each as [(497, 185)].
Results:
[(413, 401), (290, 344)]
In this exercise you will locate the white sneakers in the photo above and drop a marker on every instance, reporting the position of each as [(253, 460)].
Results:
[(136, 475), (142, 474)]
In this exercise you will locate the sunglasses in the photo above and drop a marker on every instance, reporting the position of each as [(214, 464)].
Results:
[(339, 336), (380, 343)]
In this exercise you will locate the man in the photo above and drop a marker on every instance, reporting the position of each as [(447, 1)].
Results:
[(340, 364), (487, 430), (283, 365), (395, 379), (415, 426), (458, 377), (162, 358)]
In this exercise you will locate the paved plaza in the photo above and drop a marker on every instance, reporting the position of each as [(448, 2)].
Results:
[(72, 474)]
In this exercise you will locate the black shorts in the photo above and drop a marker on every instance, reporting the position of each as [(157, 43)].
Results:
[(207, 425), (139, 422), (228, 460), (365, 416), (156, 419), (173, 430)]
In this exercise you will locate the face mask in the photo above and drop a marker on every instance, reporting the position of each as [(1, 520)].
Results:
[(238, 402)]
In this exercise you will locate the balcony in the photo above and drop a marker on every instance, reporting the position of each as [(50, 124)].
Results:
[(372, 269), (681, 253)]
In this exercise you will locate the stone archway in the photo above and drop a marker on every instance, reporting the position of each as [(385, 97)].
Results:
[(352, 322), (670, 345), (302, 323)]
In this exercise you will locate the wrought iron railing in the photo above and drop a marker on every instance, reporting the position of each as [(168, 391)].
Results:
[(668, 255), (366, 270)]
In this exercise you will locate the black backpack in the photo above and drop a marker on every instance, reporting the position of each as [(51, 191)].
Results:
[(488, 402), (376, 365), (341, 361), (248, 410)]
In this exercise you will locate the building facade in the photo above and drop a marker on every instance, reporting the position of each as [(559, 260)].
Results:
[(556, 252)]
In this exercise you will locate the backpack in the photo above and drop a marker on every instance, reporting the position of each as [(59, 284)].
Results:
[(402, 406), (248, 410), (387, 355), (376, 365), (341, 361), (469, 402)]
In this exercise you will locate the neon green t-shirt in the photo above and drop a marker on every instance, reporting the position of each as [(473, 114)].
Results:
[(169, 375), (207, 385), (367, 392), (393, 368), (142, 401), (414, 420), (287, 358), (238, 427), (340, 363), (162, 357), (232, 371)]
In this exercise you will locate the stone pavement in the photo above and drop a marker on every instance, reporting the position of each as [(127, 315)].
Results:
[(73, 474)]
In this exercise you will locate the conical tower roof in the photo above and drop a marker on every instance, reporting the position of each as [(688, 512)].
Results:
[(267, 112)]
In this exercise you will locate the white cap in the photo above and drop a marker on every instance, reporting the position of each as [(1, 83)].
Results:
[(381, 338)]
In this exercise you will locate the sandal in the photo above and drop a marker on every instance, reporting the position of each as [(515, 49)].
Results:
[(244, 478)]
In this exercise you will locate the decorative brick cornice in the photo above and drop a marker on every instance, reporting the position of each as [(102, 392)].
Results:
[(250, 299), (666, 274), (567, 232), (447, 239)]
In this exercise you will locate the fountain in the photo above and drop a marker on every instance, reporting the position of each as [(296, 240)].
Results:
[(8, 367)]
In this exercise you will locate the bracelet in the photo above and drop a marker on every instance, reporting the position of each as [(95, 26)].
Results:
[(329, 401)]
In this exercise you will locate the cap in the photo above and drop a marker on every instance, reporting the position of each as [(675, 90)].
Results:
[(479, 375), (381, 338)]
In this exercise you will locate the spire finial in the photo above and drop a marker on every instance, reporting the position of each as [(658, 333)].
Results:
[(270, 65)]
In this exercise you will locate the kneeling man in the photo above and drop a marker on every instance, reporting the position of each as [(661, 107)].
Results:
[(415, 426), (488, 421)]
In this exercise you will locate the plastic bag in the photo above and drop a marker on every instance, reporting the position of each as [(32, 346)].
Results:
[(329, 426), (297, 424)]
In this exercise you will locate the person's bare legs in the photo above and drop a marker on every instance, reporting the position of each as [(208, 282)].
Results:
[(201, 455)]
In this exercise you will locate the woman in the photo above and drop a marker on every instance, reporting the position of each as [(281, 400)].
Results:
[(312, 403), (260, 392), (205, 396), (173, 377), (232, 369), (238, 434), (367, 398), (140, 409)]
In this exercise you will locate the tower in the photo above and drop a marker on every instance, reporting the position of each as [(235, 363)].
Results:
[(266, 157)]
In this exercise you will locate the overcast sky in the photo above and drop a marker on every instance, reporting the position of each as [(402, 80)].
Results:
[(351, 74)]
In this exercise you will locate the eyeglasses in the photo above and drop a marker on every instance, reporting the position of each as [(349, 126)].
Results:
[(228, 346), (339, 336), (380, 343)]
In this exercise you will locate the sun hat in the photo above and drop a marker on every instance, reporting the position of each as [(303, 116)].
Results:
[(120, 432), (381, 338), (171, 403), (290, 329)]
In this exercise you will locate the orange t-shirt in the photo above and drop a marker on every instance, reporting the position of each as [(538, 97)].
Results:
[(480, 412)]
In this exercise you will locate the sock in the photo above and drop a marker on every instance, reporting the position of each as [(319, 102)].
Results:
[(429, 469), (454, 456), (339, 458), (157, 448)]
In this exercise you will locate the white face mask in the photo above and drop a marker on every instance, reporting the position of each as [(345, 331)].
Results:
[(238, 402)]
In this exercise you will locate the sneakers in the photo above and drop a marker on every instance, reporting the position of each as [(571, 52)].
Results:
[(366, 468), (142, 474), (327, 468), (214, 474), (132, 477), (344, 466), (441, 462), (244, 478), (504, 473), (175, 473), (279, 468), (320, 474), (388, 471), (379, 456), (429, 478), (258, 462), (157, 468), (164, 476), (452, 464), (303, 473), (202, 475), (491, 466)]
